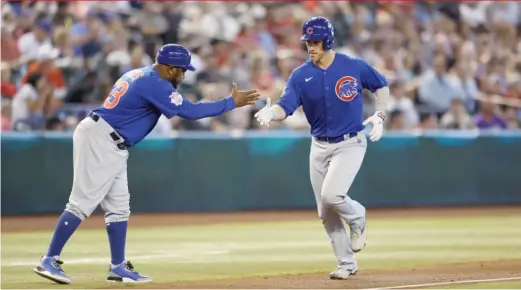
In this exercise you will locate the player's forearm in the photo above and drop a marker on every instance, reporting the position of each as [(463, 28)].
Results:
[(278, 113), (381, 99), (194, 111)]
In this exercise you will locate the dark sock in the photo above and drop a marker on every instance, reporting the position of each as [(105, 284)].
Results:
[(117, 233), (65, 227)]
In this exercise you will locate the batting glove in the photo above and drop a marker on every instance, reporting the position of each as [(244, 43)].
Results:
[(377, 121), (265, 115)]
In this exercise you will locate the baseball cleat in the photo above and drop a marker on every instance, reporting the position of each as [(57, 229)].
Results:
[(50, 268), (124, 273), (358, 238), (342, 273)]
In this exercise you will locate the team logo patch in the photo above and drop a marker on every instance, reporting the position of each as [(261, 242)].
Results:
[(309, 30), (346, 88), (176, 99)]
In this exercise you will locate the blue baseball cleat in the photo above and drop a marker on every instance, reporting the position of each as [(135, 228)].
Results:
[(50, 268), (125, 273)]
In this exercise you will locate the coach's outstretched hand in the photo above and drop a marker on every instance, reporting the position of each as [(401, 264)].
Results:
[(243, 98)]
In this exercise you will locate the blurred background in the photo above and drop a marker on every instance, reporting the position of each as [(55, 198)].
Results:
[(451, 65)]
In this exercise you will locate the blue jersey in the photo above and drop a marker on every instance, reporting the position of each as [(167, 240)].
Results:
[(331, 98), (140, 97)]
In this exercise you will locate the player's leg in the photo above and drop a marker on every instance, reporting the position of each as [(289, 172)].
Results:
[(320, 157), (117, 211), (343, 168), (93, 167)]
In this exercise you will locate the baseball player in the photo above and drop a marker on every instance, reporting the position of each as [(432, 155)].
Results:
[(329, 88), (100, 141)]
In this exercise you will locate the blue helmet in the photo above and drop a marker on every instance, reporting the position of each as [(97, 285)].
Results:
[(319, 28), (175, 55)]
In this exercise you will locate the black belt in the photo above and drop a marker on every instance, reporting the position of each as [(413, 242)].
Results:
[(336, 139), (115, 136)]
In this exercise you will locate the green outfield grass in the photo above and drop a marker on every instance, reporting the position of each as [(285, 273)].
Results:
[(173, 254)]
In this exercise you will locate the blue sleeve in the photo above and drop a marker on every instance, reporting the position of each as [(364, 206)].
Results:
[(372, 80), (170, 103), (200, 110), (290, 99)]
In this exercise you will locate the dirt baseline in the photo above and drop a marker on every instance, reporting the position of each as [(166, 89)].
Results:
[(364, 279), (47, 222), (369, 278)]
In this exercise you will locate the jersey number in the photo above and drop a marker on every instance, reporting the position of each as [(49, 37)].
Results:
[(120, 88)]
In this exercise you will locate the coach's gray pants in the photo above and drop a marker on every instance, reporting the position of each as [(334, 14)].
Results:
[(333, 168), (100, 173)]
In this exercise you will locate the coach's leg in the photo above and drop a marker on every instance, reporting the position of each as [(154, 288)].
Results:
[(117, 211), (343, 168), (92, 180), (320, 157)]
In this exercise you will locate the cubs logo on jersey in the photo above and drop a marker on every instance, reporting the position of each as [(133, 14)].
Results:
[(176, 99), (346, 88)]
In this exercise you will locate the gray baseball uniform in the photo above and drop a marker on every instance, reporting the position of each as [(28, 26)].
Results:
[(332, 170), (100, 173)]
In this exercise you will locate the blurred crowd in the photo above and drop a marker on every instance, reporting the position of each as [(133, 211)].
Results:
[(450, 65)]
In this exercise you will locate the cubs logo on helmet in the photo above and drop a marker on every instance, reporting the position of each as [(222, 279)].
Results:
[(346, 88)]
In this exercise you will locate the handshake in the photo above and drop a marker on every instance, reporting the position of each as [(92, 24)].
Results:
[(266, 114), (276, 113)]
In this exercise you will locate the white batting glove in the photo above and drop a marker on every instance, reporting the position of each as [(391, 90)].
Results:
[(377, 121), (265, 115)]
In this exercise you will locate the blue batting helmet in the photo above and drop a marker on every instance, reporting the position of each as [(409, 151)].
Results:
[(175, 55), (319, 28)]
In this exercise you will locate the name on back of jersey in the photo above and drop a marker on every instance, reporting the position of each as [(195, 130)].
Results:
[(135, 74)]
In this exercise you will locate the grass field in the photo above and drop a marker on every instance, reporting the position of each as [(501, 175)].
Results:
[(238, 253)]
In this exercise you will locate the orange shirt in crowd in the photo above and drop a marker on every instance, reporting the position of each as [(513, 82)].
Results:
[(54, 77)]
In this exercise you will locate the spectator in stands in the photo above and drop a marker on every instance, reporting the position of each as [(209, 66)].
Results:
[(9, 49), (399, 101), (28, 103), (437, 88), (488, 117), (511, 117), (54, 124), (6, 115), (428, 121), (138, 58), (62, 17), (86, 33), (434, 51), (457, 117), (44, 64), (150, 22), (8, 87), (31, 43), (83, 90), (465, 83), (396, 121)]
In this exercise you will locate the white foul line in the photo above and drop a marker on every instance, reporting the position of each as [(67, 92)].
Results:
[(446, 283), (99, 260)]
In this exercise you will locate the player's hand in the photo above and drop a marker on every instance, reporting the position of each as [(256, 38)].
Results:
[(265, 115), (377, 121), (243, 98)]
